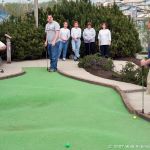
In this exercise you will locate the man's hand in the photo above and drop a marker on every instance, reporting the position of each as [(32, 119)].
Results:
[(45, 44), (143, 62)]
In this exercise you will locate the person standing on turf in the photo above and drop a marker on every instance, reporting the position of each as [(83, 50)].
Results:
[(146, 62), (89, 39), (52, 41), (76, 40), (64, 36), (104, 38)]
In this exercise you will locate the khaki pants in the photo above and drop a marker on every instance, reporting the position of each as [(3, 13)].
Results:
[(148, 83)]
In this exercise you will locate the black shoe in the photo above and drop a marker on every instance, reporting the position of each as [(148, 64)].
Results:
[(51, 70)]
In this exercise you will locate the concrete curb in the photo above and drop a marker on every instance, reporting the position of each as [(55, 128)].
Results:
[(12, 75)]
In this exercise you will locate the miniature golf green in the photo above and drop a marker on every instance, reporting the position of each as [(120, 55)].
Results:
[(47, 111)]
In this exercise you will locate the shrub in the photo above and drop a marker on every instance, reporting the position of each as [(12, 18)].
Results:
[(27, 40), (97, 62), (131, 73), (125, 38)]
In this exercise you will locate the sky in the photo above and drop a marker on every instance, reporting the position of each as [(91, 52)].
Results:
[(22, 1)]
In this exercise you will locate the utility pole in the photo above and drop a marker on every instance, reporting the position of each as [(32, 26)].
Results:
[(28, 3), (36, 12), (3, 3)]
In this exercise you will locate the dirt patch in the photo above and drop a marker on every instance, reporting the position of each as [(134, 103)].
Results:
[(100, 72), (111, 74)]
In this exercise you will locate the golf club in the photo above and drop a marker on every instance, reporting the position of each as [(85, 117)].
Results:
[(143, 89), (46, 58)]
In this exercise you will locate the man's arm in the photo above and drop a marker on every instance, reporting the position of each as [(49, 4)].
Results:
[(46, 41), (55, 38), (46, 38), (57, 31), (145, 62)]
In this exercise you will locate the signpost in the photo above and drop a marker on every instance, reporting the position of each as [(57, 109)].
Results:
[(36, 12), (8, 40)]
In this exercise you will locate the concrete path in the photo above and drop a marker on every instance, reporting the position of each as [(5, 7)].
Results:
[(70, 68)]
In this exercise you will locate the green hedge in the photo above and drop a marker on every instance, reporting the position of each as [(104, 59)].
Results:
[(130, 72), (27, 40), (95, 61)]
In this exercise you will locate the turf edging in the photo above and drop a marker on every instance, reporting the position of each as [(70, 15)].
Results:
[(117, 89), (13, 75)]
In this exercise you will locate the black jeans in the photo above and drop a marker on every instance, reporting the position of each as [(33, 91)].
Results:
[(89, 48), (104, 50)]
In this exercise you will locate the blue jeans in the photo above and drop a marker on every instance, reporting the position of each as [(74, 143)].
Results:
[(149, 52), (63, 46), (76, 48), (53, 55)]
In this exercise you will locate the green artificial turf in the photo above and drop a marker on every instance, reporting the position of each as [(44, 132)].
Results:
[(47, 111)]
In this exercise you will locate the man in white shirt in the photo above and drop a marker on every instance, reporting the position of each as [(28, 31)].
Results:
[(52, 41), (147, 64)]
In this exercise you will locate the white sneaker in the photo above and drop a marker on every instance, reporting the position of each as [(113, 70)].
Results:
[(64, 59)]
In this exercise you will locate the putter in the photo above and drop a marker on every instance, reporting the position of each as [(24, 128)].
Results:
[(143, 89), (46, 58)]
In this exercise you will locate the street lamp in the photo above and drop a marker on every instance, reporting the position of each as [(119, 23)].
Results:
[(36, 12)]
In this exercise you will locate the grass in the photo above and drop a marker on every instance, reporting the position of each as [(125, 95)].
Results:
[(46, 111)]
